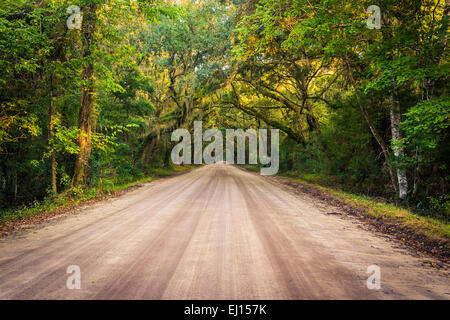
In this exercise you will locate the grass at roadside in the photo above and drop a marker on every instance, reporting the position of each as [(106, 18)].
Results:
[(421, 232), (155, 173), (77, 196)]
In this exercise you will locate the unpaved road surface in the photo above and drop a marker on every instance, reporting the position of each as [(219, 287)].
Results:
[(217, 232)]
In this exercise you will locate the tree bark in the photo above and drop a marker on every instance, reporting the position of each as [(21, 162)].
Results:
[(87, 112), (399, 151), (51, 135), (375, 134)]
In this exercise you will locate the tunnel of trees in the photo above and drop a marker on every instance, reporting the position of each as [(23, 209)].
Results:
[(91, 106)]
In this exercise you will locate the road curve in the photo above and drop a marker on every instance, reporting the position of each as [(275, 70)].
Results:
[(216, 232)]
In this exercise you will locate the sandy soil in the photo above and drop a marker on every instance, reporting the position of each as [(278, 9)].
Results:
[(216, 232)]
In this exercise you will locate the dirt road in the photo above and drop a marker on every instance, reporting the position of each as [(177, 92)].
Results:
[(217, 232)]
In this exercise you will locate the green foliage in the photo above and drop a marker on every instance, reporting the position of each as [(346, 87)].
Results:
[(425, 123), (309, 68), (302, 61)]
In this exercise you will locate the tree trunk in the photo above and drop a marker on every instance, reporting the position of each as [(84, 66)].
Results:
[(148, 152), (375, 134), (86, 117), (399, 151), (395, 117), (15, 185), (51, 135)]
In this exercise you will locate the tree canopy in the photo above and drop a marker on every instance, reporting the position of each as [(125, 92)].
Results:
[(364, 108)]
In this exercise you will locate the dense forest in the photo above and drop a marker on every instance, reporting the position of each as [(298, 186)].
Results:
[(89, 98)]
